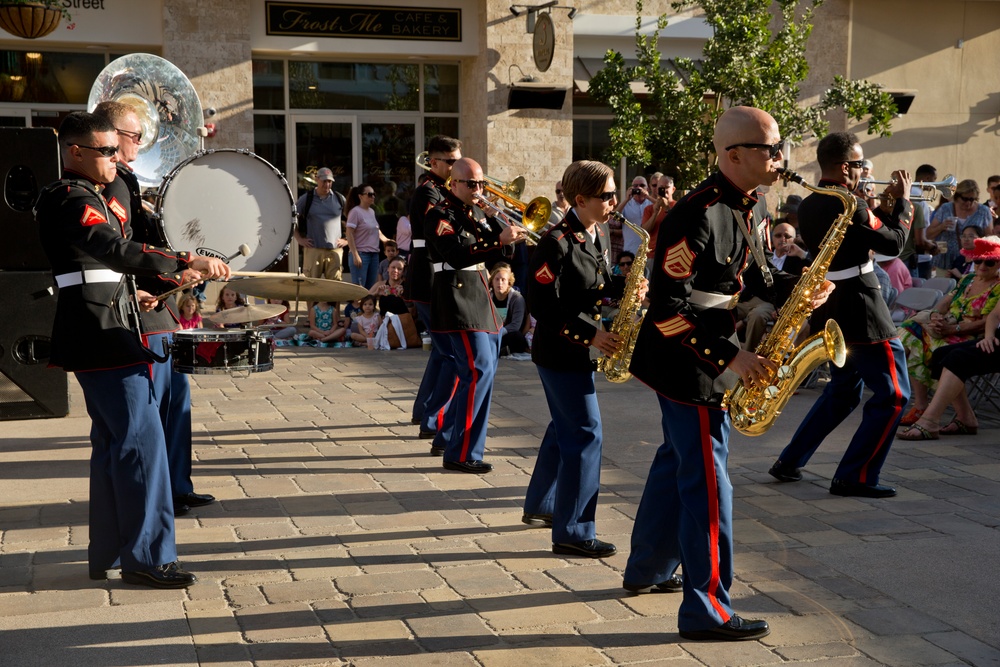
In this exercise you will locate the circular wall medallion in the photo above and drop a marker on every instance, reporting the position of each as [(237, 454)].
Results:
[(544, 42)]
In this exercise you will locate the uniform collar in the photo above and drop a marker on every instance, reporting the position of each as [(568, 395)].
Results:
[(77, 176), (437, 180), (576, 230), (830, 182), (733, 197)]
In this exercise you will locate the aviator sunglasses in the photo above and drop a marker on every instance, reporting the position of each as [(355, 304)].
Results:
[(106, 151), (772, 149)]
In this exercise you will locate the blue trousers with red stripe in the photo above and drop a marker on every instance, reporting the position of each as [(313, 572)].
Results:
[(567, 474), (685, 515), (131, 509), (173, 395), (463, 434), (881, 366), (438, 382)]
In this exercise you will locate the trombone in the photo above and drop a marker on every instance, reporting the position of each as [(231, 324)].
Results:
[(929, 191), (531, 225)]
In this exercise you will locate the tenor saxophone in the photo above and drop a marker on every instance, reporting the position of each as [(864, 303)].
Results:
[(753, 409), (629, 318)]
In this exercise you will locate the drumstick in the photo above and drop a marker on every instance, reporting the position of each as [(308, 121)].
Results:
[(244, 274), (243, 250)]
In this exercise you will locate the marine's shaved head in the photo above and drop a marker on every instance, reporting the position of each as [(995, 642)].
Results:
[(747, 166), (743, 125)]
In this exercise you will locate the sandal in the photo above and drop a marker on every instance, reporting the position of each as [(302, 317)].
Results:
[(918, 432), (911, 417), (958, 427)]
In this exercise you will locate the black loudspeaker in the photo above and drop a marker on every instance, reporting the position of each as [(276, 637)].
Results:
[(535, 96), (29, 389), (29, 161)]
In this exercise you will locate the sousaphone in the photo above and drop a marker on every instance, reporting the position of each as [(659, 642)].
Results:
[(166, 103)]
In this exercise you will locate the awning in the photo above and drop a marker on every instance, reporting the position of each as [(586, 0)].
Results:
[(584, 70)]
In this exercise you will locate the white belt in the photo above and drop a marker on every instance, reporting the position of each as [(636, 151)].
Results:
[(444, 266), (852, 272), (90, 276), (713, 299), (418, 243)]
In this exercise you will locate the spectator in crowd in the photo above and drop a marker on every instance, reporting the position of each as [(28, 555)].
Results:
[(510, 307), (363, 235), (366, 323), (899, 275), (959, 316), (322, 331), (318, 229), (390, 291), (951, 218), (956, 365), (391, 252), (653, 215), (632, 208), (791, 210), (560, 206), (190, 317), (962, 264)]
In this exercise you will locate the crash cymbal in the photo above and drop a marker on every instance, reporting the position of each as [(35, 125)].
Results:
[(300, 288), (250, 313)]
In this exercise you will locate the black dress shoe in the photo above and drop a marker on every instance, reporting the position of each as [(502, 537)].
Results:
[(415, 421), (542, 520), (194, 499), (181, 510), (784, 472), (475, 467), (589, 548), (734, 630), (841, 488), (437, 451), (163, 576), (672, 585), (427, 435)]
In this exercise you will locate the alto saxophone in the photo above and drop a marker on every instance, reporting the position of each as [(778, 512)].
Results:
[(629, 319), (754, 409)]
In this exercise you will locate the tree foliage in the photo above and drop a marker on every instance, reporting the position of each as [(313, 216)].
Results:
[(746, 62)]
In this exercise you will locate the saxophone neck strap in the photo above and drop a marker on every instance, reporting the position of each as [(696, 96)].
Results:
[(756, 247)]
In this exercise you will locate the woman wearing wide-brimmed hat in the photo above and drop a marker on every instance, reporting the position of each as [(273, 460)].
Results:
[(958, 317)]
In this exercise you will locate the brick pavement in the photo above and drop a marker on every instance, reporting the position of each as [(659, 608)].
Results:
[(338, 540)]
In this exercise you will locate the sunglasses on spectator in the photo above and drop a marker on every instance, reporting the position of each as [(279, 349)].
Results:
[(368, 194), (625, 263), (447, 160), (968, 199), (559, 192), (772, 149), (783, 236), (607, 196), (106, 151), (473, 185), (988, 263)]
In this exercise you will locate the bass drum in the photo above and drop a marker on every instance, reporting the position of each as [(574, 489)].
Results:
[(217, 200)]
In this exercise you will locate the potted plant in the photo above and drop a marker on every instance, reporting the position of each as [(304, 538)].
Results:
[(31, 19)]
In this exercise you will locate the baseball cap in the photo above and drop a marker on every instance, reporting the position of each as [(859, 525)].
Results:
[(324, 174)]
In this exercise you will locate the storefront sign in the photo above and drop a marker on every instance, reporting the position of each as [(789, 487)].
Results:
[(363, 21)]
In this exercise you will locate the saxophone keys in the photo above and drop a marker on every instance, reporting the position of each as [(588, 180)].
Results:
[(784, 372), (771, 392)]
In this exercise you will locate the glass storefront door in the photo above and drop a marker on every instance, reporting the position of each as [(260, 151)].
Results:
[(388, 152), (322, 141)]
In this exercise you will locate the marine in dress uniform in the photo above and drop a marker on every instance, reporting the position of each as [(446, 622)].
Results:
[(569, 277), (875, 357), (131, 514), (461, 241), (438, 381), (688, 353), (172, 390)]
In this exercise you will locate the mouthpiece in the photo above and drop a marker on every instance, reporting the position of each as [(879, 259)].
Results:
[(789, 175)]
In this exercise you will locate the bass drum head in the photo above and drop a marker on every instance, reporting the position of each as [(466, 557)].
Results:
[(217, 200)]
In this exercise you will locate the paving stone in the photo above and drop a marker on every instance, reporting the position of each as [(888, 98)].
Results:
[(299, 591), (43, 602), (279, 622), (368, 584), (966, 648), (451, 632), (579, 656), (366, 631), (473, 580), (905, 651), (532, 610), (898, 621)]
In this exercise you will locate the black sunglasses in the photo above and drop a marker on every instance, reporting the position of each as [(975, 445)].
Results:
[(448, 160), (106, 151), (856, 164), (559, 192), (968, 199), (772, 149), (988, 263), (607, 196), (471, 183), (625, 263)]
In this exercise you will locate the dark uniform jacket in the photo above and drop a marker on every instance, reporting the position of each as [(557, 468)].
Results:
[(569, 277), (460, 236), (856, 304), (420, 276), (125, 196), (683, 350), (80, 233)]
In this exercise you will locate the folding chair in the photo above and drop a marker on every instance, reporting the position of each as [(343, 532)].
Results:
[(944, 284), (913, 300)]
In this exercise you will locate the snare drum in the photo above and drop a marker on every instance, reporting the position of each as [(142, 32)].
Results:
[(211, 351), (217, 200)]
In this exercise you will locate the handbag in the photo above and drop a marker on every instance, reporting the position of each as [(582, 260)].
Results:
[(410, 333)]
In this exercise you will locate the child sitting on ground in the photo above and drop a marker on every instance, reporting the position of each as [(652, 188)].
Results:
[(321, 329), (367, 322)]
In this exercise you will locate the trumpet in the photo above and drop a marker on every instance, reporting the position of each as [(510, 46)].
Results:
[(929, 191), (505, 216)]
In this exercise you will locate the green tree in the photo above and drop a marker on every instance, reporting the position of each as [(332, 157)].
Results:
[(744, 63)]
